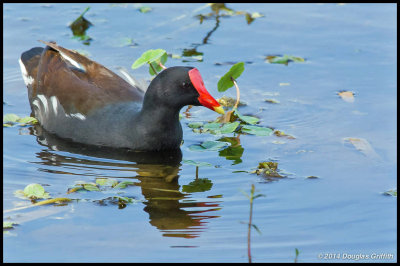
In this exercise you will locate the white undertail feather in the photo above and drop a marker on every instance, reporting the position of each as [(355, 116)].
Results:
[(27, 79)]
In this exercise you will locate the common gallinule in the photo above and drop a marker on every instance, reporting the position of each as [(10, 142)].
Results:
[(81, 100)]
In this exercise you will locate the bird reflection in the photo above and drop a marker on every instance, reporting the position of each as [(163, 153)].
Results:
[(170, 211)]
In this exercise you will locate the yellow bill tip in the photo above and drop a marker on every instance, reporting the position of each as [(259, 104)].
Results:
[(219, 110)]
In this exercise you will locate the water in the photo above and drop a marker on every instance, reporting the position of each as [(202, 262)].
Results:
[(343, 212)]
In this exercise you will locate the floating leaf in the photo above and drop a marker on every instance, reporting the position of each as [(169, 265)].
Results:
[(106, 182), (208, 145), (148, 57), (33, 191), (200, 164), (214, 145), (256, 130), (27, 120), (198, 185), (195, 124), (285, 59), (347, 96), (13, 118), (226, 82), (144, 9), (124, 184), (247, 119), (8, 225), (91, 187), (392, 192), (229, 127)]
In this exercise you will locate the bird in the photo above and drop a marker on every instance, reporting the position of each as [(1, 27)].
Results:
[(82, 101)]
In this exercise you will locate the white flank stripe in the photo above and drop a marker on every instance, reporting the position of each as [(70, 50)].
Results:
[(79, 116), (43, 99), (54, 103), (73, 62)]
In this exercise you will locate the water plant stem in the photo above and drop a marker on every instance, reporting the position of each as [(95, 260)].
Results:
[(250, 222), (153, 68), (237, 93)]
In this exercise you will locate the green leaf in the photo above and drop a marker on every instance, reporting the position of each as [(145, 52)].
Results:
[(214, 145), (195, 124), (106, 181), (144, 9), (212, 126), (198, 185), (208, 145), (13, 118), (229, 127), (226, 82), (35, 191), (200, 164), (124, 199), (245, 118), (148, 57), (27, 121), (256, 130), (392, 192), (8, 225), (285, 59), (91, 187), (156, 65), (123, 184)]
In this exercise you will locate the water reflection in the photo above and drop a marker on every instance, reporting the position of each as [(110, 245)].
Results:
[(174, 213)]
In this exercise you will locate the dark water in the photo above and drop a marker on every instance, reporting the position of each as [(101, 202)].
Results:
[(343, 213)]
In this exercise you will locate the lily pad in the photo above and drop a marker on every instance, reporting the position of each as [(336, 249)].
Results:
[(247, 119), (13, 119), (208, 146), (195, 124), (391, 192), (144, 9), (285, 59), (148, 57), (106, 182), (226, 81), (91, 187), (8, 225), (123, 184), (256, 130), (33, 191)]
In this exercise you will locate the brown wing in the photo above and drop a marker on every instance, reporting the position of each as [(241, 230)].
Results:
[(80, 84)]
